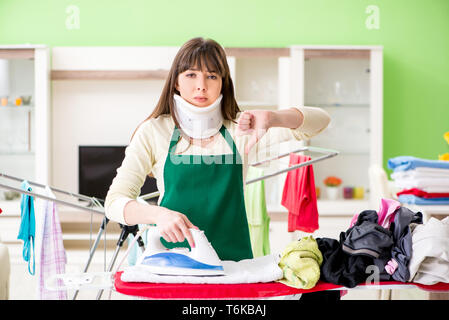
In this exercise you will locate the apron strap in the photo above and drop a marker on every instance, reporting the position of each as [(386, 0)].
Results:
[(223, 131), (227, 136), (174, 139)]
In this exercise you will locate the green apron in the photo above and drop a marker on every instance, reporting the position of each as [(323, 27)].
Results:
[(208, 189)]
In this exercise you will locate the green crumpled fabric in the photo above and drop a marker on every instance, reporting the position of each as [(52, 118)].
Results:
[(300, 261)]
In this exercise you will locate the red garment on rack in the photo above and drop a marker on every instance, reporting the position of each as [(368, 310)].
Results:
[(299, 196), (423, 194), (237, 291)]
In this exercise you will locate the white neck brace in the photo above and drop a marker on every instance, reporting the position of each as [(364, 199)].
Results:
[(198, 122)]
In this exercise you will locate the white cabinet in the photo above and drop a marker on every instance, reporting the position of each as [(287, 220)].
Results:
[(346, 81), (24, 128)]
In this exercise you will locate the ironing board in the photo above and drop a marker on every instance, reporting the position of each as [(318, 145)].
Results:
[(245, 290)]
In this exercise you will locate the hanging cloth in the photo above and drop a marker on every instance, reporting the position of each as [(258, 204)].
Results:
[(27, 229), (52, 255), (299, 196), (256, 213)]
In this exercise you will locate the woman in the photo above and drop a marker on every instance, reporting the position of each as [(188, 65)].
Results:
[(197, 144)]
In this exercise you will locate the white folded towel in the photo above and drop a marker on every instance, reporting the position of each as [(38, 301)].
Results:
[(422, 183), (260, 269), (421, 173)]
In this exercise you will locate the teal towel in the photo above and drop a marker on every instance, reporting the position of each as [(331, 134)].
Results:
[(27, 229)]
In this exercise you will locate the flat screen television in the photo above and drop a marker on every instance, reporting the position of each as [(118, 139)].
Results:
[(97, 167)]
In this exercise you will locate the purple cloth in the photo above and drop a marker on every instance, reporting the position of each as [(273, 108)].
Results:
[(52, 256)]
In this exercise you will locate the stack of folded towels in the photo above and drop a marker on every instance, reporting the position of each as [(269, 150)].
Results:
[(420, 181)]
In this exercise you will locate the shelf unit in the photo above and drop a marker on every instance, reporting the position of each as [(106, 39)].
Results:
[(347, 82), (356, 111), (25, 146)]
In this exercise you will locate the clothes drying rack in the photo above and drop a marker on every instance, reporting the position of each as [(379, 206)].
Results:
[(94, 206)]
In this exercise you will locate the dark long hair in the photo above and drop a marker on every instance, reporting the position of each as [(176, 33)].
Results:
[(198, 52)]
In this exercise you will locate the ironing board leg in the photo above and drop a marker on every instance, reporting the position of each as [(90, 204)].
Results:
[(93, 248), (126, 230)]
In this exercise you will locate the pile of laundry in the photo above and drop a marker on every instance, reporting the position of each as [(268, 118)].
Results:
[(420, 181), (391, 244)]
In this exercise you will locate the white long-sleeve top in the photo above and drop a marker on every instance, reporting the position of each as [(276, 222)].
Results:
[(148, 151), (429, 263)]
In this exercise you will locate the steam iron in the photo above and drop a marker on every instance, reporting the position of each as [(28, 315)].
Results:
[(200, 261)]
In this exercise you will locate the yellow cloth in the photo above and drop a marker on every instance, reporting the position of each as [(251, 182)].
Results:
[(444, 157), (300, 262)]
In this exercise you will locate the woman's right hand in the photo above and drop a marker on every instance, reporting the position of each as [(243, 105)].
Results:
[(174, 226)]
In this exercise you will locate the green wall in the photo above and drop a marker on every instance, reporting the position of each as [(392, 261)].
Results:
[(414, 33)]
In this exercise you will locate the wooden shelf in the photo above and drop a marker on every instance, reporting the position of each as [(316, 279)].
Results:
[(17, 54), (257, 52), (336, 54), (247, 105), (162, 74), (109, 74)]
